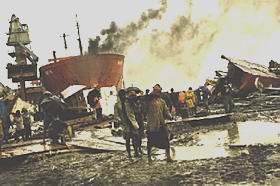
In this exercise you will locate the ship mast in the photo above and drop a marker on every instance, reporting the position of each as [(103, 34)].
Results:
[(79, 36)]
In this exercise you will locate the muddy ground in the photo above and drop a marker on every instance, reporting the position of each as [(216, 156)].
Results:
[(260, 166), (257, 164)]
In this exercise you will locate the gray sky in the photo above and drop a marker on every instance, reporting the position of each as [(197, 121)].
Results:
[(47, 20)]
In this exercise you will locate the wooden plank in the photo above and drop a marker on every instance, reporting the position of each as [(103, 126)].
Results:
[(98, 144), (205, 119), (30, 149)]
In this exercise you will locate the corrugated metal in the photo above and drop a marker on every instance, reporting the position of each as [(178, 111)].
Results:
[(251, 71), (101, 70), (252, 68)]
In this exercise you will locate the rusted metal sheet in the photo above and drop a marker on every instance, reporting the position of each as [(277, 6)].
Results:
[(101, 70)]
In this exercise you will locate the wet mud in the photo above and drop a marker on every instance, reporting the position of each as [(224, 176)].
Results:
[(245, 151)]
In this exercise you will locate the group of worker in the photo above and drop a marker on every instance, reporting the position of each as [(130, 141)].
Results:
[(21, 123), (188, 99), (132, 109)]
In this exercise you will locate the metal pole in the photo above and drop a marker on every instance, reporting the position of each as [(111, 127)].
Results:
[(79, 39), (22, 90), (54, 56), (64, 38)]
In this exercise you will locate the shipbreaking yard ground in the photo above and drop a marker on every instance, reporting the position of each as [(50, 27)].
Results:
[(238, 148)]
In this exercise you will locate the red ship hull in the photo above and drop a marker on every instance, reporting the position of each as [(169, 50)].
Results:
[(101, 70)]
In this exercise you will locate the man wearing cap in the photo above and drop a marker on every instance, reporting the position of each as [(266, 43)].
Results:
[(157, 131)]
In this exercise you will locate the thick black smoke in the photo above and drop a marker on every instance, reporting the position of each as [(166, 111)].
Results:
[(117, 39)]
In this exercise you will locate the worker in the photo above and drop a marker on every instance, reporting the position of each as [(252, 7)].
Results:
[(157, 132), (227, 96), (98, 108), (190, 101), (1, 131), (18, 122), (93, 98), (174, 99), (139, 116), (52, 107), (125, 113), (26, 122), (182, 98), (6, 120), (57, 131), (147, 91), (205, 96)]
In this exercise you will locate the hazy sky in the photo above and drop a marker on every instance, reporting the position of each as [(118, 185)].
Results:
[(47, 20), (181, 49)]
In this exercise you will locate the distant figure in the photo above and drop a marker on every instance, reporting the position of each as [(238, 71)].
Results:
[(57, 131), (166, 97), (26, 122), (6, 120), (52, 107), (18, 122), (190, 101), (174, 99), (98, 109), (182, 107), (112, 99), (227, 97), (147, 91), (139, 115), (1, 131), (46, 116), (205, 96), (157, 132), (182, 98), (93, 99)]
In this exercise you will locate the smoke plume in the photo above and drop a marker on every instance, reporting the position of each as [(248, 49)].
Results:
[(182, 46), (117, 39)]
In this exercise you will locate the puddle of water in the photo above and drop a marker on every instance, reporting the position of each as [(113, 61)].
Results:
[(180, 153), (210, 144), (213, 144), (245, 133), (255, 132)]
